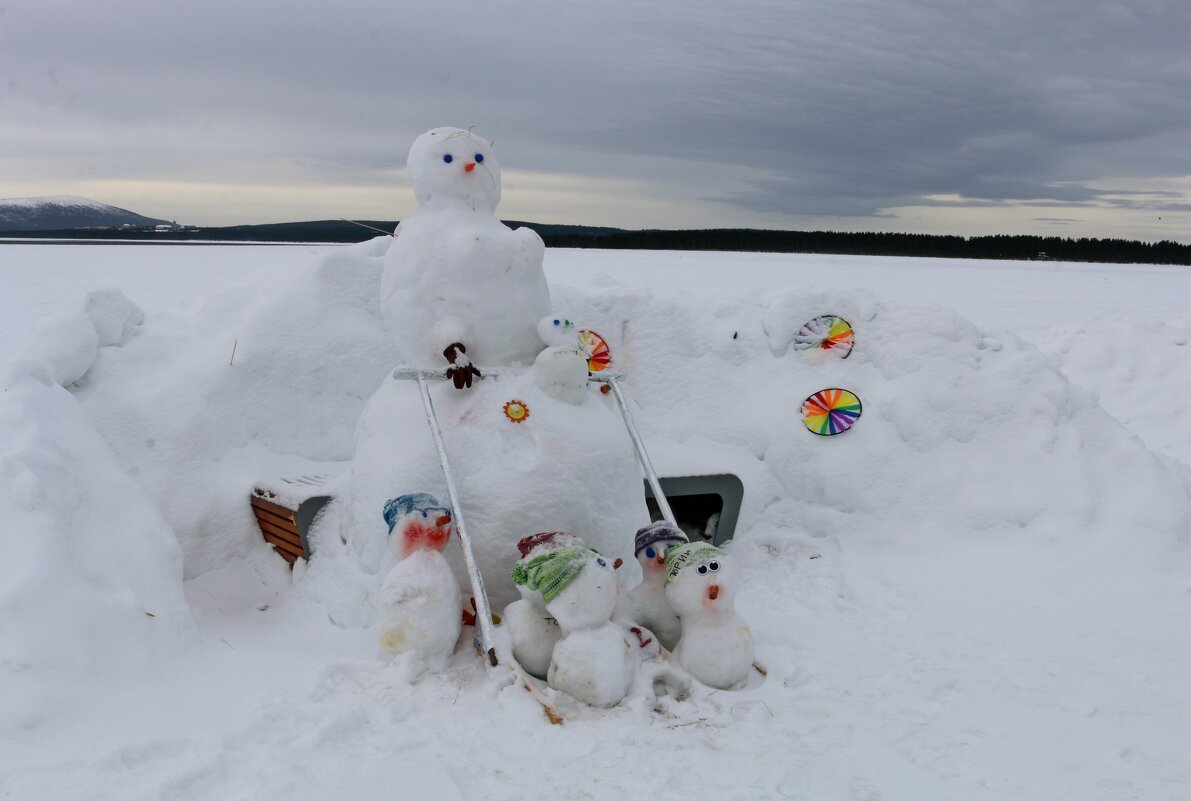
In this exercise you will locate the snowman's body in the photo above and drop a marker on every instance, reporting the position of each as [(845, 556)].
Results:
[(647, 604), (716, 645), (455, 273), (418, 608), (533, 633), (592, 662)]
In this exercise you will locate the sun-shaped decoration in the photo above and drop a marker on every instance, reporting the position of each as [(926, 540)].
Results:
[(516, 411)]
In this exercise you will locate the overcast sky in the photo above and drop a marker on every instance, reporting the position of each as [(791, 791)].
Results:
[(1068, 117)]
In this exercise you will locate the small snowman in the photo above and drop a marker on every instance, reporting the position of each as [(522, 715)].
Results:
[(647, 603), (561, 369), (532, 630), (419, 610), (716, 645), (592, 662)]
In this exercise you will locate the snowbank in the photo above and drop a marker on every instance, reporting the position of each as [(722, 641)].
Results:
[(92, 576), (974, 593)]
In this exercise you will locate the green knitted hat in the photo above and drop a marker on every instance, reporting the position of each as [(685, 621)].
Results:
[(550, 573), (693, 553)]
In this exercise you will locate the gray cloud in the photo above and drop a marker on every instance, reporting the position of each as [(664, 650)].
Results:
[(777, 107)]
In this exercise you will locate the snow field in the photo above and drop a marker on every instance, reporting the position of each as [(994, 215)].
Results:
[(975, 593)]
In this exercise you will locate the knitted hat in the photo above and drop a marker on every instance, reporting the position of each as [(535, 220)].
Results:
[(413, 502), (550, 573), (693, 553), (656, 532), (546, 540)]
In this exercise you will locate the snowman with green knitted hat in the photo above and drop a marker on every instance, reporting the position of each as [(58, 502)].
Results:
[(592, 661), (716, 645)]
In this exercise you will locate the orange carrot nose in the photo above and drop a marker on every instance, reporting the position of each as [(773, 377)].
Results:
[(471, 165), (713, 591), (616, 565), (442, 520), (661, 560)]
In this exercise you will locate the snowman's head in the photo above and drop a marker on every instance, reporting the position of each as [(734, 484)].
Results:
[(576, 583), (558, 331), (587, 602), (699, 581), (653, 544), (450, 167), (417, 521)]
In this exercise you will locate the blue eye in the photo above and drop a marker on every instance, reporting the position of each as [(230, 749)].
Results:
[(448, 158), (479, 158), (601, 563), (649, 553), (424, 514), (556, 322)]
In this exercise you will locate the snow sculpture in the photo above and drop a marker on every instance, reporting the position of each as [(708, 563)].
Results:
[(716, 645), (455, 275), (459, 283), (647, 603), (533, 631), (419, 610), (592, 662)]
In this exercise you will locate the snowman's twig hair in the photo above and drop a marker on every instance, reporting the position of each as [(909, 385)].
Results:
[(369, 227)]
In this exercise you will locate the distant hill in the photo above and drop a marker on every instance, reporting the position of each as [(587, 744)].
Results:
[(66, 211)]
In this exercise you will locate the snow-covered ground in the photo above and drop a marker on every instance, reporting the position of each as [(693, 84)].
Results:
[(980, 592)]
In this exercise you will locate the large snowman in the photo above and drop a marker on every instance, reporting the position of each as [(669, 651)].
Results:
[(462, 290)]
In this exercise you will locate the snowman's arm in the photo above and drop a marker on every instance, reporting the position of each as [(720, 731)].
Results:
[(640, 639), (446, 331), (530, 246)]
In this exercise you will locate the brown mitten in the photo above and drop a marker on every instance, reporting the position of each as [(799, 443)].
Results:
[(461, 370)]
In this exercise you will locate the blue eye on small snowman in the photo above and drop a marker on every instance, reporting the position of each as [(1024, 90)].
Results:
[(649, 553), (558, 322), (600, 561), (479, 158), (448, 158), (425, 515)]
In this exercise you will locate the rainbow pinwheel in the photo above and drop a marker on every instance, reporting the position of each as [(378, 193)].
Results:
[(830, 411)]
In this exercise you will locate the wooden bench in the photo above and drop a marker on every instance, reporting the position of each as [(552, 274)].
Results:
[(285, 509)]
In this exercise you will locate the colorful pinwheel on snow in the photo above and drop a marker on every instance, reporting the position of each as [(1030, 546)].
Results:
[(516, 411), (827, 333), (599, 356), (830, 411)]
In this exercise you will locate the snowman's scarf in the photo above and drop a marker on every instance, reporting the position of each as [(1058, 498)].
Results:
[(551, 572)]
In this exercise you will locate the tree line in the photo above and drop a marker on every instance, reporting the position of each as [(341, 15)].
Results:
[(1009, 247)]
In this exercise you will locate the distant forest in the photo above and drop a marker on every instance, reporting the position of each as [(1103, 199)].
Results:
[(1011, 247)]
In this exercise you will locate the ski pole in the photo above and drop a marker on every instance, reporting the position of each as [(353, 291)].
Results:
[(483, 610), (613, 380)]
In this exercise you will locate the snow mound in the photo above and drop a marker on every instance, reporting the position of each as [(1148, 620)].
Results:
[(92, 573), (1127, 364)]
